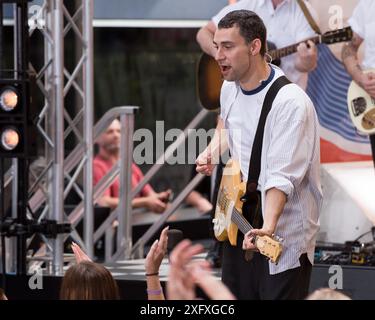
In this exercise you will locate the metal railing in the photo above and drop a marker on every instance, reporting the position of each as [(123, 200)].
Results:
[(123, 212), (126, 115), (137, 250)]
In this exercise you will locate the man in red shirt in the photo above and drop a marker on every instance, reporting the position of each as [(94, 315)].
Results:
[(108, 155)]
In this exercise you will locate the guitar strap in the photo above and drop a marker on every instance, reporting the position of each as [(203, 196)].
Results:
[(308, 16), (252, 197)]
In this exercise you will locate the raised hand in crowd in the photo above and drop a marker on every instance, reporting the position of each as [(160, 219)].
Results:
[(153, 261), (214, 289), (186, 274), (2, 295), (79, 254), (157, 252)]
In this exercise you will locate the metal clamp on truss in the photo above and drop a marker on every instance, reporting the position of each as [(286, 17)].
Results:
[(50, 228)]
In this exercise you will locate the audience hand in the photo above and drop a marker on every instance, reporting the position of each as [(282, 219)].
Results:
[(164, 195), (2, 295), (157, 252), (180, 285), (185, 274), (154, 204), (212, 287), (79, 254)]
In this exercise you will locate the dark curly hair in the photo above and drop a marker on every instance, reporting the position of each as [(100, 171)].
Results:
[(250, 24)]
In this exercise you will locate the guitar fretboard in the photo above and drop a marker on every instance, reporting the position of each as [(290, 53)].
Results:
[(236, 216), (283, 52), (241, 222)]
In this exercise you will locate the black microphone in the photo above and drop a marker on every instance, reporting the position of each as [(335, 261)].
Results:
[(174, 237)]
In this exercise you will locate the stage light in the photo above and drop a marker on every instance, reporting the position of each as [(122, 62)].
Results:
[(9, 98), (18, 133), (10, 138)]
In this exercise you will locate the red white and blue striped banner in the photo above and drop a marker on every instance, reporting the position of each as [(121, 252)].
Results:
[(327, 87)]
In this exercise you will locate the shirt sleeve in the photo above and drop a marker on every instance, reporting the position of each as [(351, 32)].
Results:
[(227, 96), (232, 7), (137, 177), (357, 19), (99, 173), (289, 153)]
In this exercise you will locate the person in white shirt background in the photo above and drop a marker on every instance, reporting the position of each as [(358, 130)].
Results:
[(286, 25), (363, 25)]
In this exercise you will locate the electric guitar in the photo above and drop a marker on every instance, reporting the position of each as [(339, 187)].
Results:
[(361, 108), (209, 75), (228, 214)]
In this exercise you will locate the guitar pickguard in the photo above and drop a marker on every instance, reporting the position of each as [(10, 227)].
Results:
[(361, 107)]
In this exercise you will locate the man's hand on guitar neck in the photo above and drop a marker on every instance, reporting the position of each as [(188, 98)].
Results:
[(274, 206), (307, 57), (249, 238)]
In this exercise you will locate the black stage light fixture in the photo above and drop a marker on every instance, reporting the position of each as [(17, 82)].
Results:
[(18, 132), (9, 97)]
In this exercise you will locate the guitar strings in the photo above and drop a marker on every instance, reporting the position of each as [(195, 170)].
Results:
[(240, 221)]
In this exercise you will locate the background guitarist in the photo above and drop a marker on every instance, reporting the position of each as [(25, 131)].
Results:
[(286, 24), (289, 180), (363, 25)]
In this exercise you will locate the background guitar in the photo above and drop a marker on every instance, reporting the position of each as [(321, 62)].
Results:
[(361, 108), (209, 76)]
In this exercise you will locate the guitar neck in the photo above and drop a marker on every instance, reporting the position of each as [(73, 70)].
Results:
[(286, 51), (241, 222)]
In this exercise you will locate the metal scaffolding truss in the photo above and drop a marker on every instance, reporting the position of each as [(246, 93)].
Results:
[(53, 175), (60, 171), (78, 121)]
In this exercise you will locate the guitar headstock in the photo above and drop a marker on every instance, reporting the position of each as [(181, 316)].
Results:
[(269, 247), (339, 35)]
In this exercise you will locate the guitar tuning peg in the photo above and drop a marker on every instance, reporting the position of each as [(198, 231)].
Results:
[(278, 238)]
